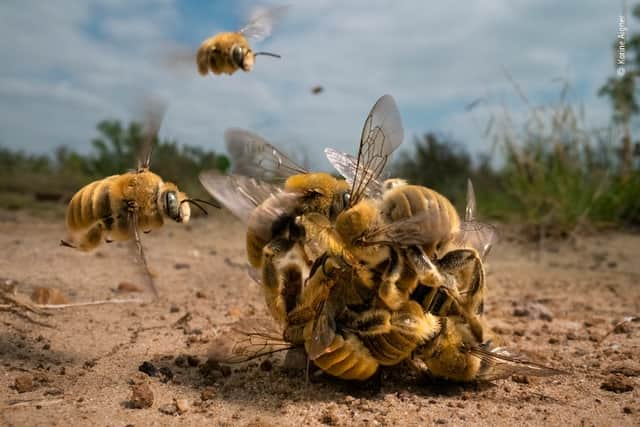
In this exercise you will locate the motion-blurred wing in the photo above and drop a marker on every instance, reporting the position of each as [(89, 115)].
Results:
[(154, 110), (262, 23), (240, 194), (253, 156), (381, 135)]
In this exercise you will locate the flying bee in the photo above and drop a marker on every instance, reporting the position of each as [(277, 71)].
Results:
[(117, 207), (455, 354), (228, 52)]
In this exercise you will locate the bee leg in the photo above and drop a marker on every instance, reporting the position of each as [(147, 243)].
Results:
[(271, 280), (370, 322), (131, 205), (89, 240), (316, 289), (419, 262), (466, 267), (67, 244), (390, 292), (304, 256), (133, 230)]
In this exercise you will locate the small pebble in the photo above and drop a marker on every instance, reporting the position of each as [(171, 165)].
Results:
[(148, 368), (24, 383), (329, 418), (617, 384), (141, 396), (520, 312), (207, 394), (521, 379), (129, 287), (182, 405), (168, 408)]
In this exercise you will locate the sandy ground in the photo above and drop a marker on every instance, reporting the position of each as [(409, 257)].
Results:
[(554, 305)]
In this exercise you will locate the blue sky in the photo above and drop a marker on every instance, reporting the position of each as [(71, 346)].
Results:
[(70, 63)]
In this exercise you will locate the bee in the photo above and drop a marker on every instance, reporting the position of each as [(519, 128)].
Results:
[(228, 52), (455, 354), (270, 211), (427, 226), (117, 207), (410, 281)]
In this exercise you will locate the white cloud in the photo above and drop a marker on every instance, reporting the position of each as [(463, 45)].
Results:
[(434, 58)]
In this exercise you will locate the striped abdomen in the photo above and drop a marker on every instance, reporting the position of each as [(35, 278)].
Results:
[(409, 200), (92, 203), (409, 328), (101, 209), (347, 358)]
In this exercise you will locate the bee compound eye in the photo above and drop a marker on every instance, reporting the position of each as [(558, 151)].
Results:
[(237, 55), (172, 205), (346, 198)]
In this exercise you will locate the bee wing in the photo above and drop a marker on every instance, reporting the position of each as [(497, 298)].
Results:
[(323, 334), (414, 230), (381, 135), (261, 26), (346, 165), (477, 235), (240, 194), (253, 156), (501, 363), (470, 208), (246, 340), (473, 233), (154, 110)]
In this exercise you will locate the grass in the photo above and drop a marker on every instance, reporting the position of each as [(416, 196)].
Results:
[(557, 175)]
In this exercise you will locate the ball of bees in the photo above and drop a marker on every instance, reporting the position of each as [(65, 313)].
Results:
[(394, 274)]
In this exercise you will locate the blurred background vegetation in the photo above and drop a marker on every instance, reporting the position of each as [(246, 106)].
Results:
[(30, 181), (550, 171)]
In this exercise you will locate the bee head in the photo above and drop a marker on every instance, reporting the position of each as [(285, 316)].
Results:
[(173, 203), (242, 57), (322, 193)]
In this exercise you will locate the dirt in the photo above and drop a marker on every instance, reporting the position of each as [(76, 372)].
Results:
[(554, 304)]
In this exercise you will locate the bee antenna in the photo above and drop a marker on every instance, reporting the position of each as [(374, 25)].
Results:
[(267, 54), (206, 202), (195, 203)]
